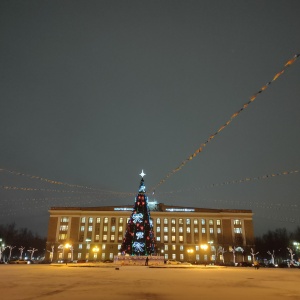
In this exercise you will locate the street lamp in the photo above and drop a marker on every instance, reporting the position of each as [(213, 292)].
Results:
[(190, 251), (68, 246), (204, 247), (96, 250)]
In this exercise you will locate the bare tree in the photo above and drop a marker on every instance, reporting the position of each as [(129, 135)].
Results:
[(10, 249), (21, 251), (221, 250), (272, 257), (32, 252), (291, 254), (253, 254), (2, 248), (51, 253)]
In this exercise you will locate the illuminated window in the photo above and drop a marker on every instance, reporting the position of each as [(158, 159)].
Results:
[(237, 222), (88, 246), (90, 220), (105, 220), (98, 220), (237, 230), (104, 237), (81, 228), (173, 221), (219, 230), (197, 257), (112, 237), (181, 238), (173, 229), (104, 228), (165, 229), (181, 248), (158, 221), (188, 221), (181, 257), (218, 222), (195, 221), (211, 230), (62, 236), (197, 248), (173, 256), (158, 238), (103, 247), (119, 247), (103, 256), (166, 238), (166, 221), (180, 221), (87, 256), (83, 220), (97, 237), (120, 228), (121, 220), (166, 248), (120, 237), (113, 228), (157, 229), (90, 228), (95, 255), (64, 220), (78, 255), (173, 247), (211, 222), (188, 229), (60, 255), (203, 221), (111, 256), (173, 238), (80, 246), (63, 228), (196, 230), (166, 256), (180, 229), (203, 230)]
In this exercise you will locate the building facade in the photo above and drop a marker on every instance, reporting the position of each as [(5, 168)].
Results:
[(197, 235)]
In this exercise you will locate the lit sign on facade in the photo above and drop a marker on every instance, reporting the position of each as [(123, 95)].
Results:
[(180, 209)]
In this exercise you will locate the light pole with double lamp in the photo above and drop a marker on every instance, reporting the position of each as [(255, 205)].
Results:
[(68, 246), (204, 247), (95, 251)]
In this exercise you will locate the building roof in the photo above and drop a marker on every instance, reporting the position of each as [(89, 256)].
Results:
[(157, 207)]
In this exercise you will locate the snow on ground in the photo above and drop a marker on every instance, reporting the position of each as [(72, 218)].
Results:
[(105, 281)]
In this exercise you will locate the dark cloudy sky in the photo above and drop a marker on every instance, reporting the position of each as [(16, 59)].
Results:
[(92, 92)]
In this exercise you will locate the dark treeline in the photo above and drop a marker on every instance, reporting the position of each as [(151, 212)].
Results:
[(278, 241), (21, 237)]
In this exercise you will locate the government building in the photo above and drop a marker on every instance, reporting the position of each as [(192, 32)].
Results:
[(185, 234)]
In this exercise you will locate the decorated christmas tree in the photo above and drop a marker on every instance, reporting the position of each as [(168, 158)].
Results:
[(139, 237)]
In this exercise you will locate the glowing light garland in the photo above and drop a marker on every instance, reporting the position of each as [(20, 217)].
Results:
[(212, 136)]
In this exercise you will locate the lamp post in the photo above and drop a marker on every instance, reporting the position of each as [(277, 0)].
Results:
[(96, 250), (68, 246), (190, 251), (204, 247), (87, 248)]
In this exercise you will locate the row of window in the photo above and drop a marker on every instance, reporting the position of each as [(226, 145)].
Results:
[(158, 221)]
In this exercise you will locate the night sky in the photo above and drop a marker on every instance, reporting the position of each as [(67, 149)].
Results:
[(92, 92)]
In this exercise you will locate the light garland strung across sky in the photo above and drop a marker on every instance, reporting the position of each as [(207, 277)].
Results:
[(252, 98), (243, 180), (50, 181), (54, 181)]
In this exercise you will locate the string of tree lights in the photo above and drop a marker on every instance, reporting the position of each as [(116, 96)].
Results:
[(212, 136)]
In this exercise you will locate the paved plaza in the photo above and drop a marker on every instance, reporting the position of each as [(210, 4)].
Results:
[(28, 282)]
